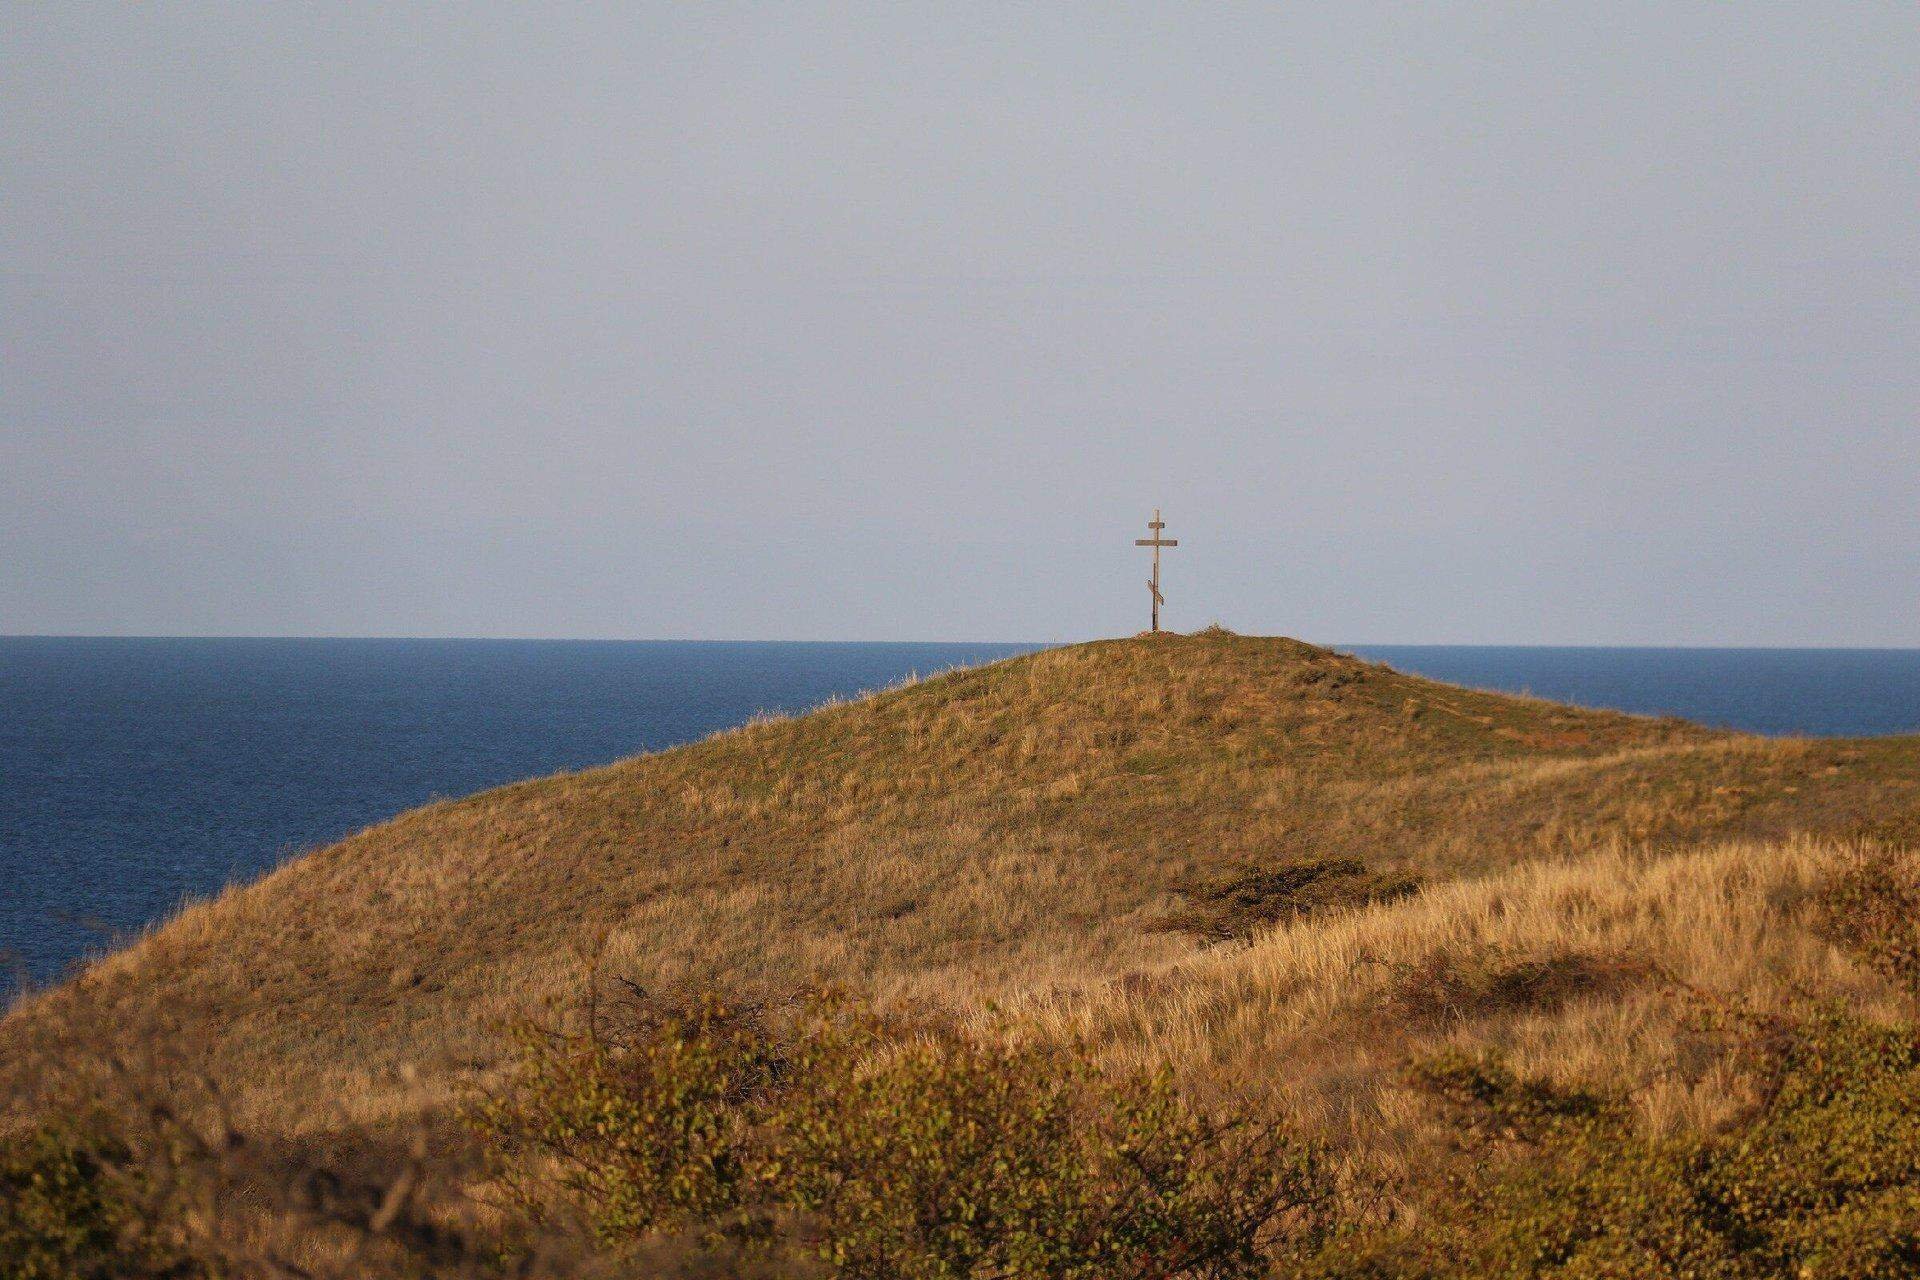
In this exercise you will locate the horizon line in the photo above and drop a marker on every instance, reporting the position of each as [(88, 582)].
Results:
[(1833, 647)]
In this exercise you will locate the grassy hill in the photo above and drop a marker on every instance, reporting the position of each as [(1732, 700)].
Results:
[(1284, 873)]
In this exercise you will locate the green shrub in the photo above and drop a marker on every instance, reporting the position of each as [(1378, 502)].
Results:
[(941, 1158), (644, 1116), (1822, 1182), (1826, 1180), (66, 1212), (1872, 907), (879, 1153)]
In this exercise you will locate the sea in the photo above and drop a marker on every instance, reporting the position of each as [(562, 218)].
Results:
[(139, 774)]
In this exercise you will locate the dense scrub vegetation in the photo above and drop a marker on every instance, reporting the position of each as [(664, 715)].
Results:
[(702, 1139), (874, 1152), (64, 1212), (1818, 1180), (1821, 1182)]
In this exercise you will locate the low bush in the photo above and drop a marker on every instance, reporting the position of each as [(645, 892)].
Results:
[(1871, 906), (1821, 1182), (641, 1118), (876, 1152), (69, 1212), (942, 1158)]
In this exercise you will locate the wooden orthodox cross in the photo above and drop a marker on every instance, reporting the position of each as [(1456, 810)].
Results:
[(1156, 542)]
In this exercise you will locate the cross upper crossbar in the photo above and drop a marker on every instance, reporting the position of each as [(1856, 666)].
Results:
[(1156, 542)]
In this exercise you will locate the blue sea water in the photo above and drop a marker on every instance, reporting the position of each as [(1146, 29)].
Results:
[(135, 773), (1816, 692)]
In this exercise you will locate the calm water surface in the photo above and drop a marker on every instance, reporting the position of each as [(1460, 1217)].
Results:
[(1824, 692), (137, 773)]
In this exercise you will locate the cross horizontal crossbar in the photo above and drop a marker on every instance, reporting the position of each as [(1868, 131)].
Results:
[(1156, 542)]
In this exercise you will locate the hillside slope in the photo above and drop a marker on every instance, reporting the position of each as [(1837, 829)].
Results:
[(1070, 822)]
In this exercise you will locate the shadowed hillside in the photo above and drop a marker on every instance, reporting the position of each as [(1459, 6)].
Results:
[(1044, 829)]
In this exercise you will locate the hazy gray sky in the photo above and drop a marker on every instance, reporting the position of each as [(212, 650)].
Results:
[(1496, 323)]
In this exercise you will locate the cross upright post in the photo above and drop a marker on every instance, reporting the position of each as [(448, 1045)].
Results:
[(1156, 542)]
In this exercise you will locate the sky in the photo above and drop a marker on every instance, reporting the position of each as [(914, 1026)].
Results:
[(1526, 324)]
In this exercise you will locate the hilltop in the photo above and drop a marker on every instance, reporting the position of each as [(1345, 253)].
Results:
[(1049, 823)]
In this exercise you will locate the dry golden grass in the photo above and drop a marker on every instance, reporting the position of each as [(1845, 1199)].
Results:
[(1066, 832), (1602, 973)]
